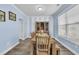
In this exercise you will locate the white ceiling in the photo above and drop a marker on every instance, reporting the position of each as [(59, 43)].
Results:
[(32, 9)]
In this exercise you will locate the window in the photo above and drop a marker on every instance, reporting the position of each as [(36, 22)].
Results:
[(69, 24), (62, 25)]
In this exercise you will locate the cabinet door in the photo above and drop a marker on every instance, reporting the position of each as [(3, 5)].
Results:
[(46, 26), (37, 27), (42, 25)]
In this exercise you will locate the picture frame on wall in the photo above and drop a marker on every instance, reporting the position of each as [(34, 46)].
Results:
[(12, 16), (2, 16)]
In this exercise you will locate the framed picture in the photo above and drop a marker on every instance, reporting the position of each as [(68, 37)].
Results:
[(2, 16), (12, 16)]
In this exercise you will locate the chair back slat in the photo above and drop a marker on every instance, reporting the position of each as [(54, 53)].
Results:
[(42, 43)]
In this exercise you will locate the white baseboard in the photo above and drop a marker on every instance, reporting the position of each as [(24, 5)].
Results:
[(9, 48), (28, 36), (22, 38)]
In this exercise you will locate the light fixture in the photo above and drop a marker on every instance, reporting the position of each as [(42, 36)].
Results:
[(40, 8)]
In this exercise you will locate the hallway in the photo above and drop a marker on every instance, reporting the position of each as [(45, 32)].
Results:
[(20, 21)]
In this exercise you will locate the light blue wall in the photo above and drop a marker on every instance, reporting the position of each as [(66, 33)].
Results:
[(27, 27), (55, 25), (10, 30)]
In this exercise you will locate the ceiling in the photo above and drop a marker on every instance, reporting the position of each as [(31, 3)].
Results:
[(38, 9)]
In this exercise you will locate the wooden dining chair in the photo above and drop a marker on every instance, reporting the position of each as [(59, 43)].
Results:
[(42, 45)]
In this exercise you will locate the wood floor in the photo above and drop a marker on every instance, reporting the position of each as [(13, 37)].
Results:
[(24, 49), (63, 50)]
